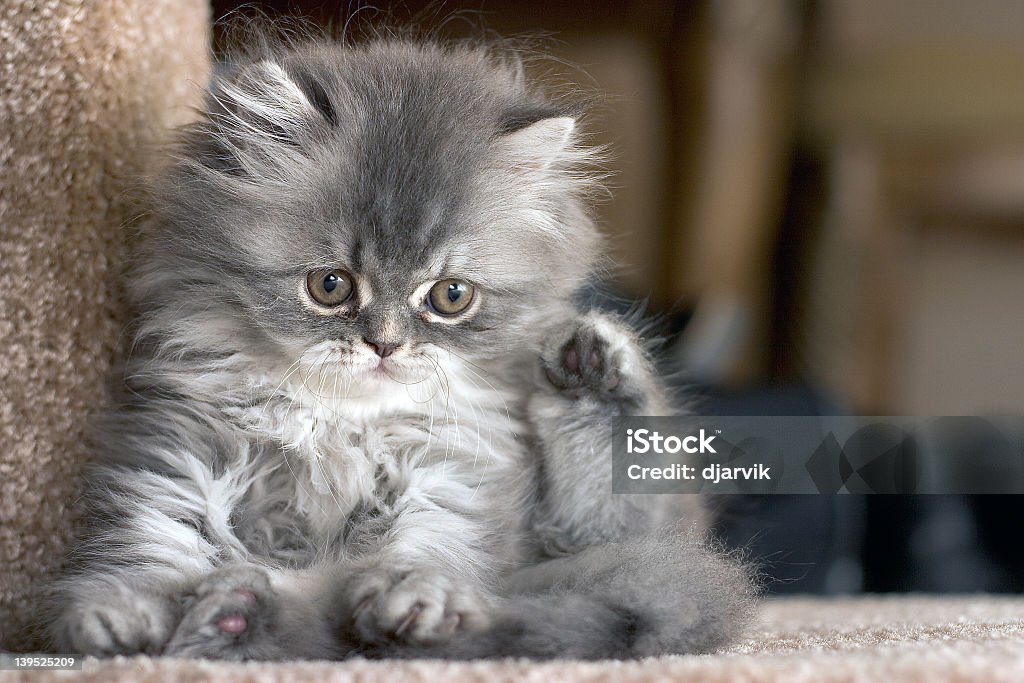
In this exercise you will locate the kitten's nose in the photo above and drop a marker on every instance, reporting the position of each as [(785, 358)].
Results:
[(382, 349)]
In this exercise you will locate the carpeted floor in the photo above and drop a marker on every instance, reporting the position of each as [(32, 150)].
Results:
[(926, 639)]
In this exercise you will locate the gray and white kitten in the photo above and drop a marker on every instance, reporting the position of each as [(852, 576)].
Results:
[(362, 414)]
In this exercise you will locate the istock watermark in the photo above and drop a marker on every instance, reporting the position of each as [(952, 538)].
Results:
[(647, 441), (815, 454)]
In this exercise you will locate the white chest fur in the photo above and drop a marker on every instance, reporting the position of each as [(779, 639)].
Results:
[(406, 447)]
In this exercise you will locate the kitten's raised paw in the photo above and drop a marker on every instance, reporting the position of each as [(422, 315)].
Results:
[(415, 606), (582, 364), (119, 622), (598, 359), (229, 615)]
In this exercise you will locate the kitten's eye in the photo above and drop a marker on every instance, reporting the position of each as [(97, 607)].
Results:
[(450, 297), (329, 287)]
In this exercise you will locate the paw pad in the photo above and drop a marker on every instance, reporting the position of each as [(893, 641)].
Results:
[(581, 365), (232, 624)]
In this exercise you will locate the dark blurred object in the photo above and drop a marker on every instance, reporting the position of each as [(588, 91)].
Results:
[(943, 544), (881, 543), (802, 544)]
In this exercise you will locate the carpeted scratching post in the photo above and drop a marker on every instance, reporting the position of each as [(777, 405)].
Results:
[(86, 88)]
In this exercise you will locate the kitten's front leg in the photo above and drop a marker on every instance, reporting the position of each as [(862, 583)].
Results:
[(419, 573), (591, 371), (112, 614), (396, 603)]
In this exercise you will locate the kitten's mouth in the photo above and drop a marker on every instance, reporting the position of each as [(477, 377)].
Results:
[(337, 370), (401, 371)]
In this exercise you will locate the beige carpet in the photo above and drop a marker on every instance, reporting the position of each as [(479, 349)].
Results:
[(977, 638), (86, 88)]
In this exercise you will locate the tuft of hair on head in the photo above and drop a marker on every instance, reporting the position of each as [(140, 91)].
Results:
[(288, 105)]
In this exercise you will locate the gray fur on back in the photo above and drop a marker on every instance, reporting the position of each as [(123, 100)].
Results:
[(272, 485)]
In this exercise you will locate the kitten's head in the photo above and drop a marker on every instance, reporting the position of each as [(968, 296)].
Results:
[(377, 207)]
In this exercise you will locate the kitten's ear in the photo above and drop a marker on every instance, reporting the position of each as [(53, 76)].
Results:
[(265, 99), (542, 143)]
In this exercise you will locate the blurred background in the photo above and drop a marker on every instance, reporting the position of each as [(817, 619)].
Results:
[(823, 200)]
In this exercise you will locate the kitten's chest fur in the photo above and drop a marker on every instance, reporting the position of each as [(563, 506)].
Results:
[(325, 463)]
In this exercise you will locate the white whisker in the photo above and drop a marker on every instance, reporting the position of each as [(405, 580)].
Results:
[(317, 455)]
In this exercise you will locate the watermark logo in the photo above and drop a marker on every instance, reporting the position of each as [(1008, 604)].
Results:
[(647, 441), (815, 454)]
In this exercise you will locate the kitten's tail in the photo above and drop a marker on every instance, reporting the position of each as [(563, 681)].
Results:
[(662, 593)]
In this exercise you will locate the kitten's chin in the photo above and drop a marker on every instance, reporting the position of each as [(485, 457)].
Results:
[(385, 373), (385, 387)]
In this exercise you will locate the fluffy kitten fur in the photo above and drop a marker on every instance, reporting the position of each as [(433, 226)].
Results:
[(271, 487)]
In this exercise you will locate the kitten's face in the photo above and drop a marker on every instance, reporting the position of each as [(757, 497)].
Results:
[(380, 212)]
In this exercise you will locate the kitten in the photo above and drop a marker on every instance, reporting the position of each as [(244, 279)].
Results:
[(362, 414)]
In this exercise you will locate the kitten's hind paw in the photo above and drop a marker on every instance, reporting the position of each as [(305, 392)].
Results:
[(230, 615), (235, 613)]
